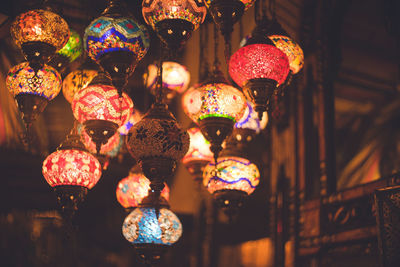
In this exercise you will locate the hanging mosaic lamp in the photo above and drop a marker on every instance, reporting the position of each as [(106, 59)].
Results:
[(174, 20), (71, 171), (101, 109), (39, 33), (152, 228), (69, 53), (117, 42), (231, 181), (134, 118), (215, 106), (33, 90), (176, 79), (132, 189), (226, 13), (75, 81), (198, 155), (259, 67), (158, 143)]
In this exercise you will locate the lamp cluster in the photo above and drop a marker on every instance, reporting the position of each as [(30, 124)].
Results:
[(226, 116)]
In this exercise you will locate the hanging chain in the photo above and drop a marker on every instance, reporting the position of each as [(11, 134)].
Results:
[(217, 63), (159, 86)]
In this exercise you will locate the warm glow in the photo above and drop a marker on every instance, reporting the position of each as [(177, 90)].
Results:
[(175, 77), (142, 226), (106, 34), (291, 49), (73, 48), (132, 189), (71, 167), (76, 81), (214, 100), (258, 61), (199, 148), (133, 119), (102, 102), (21, 79), (40, 26), (232, 173), (250, 119), (155, 11)]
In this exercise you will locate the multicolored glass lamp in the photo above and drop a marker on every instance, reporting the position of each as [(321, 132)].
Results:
[(77, 80), (33, 90), (132, 189), (231, 181), (226, 13), (152, 228), (215, 106), (174, 20), (259, 68), (39, 33), (117, 42), (198, 155), (176, 79), (71, 171), (101, 109), (69, 53)]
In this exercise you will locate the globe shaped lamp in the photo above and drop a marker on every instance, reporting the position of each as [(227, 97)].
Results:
[(158, 143), (174, 20), (230, 181), (259, 67), (132, 189), (215, 106), (71, 171), (198, 155), (75, 81), (39, 33), (152, 228), (69, 53), (176, 79), (33, 90), (117, 42), (101, 110), (226, 13)]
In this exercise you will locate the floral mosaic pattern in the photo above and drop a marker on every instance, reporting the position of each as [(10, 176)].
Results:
[(199, 148), (40, 26), (157, 138), (132, 189), (142, 226), (232, 173), (21, 79), (291, 49), (73, 48), (106, 34), (155, 11), (258, 61), (214, 100), (250, 119), (102, 102), (71, 167), (76, 81)]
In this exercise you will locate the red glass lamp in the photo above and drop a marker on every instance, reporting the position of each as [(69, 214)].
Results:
[(33, 90), (117, 42), (134, 188), (174, 20), (71, 171), (39, 33), (259, 67), (198, 155), (101, 110)]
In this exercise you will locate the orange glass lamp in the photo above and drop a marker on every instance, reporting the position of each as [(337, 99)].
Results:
[(71, 171), (198, 155), (117, 42), (174, 20), (215, 106), (39, 33), (101, 110), (132, 189), (231, 181), (176, 79), (33, 90), (76, 81)]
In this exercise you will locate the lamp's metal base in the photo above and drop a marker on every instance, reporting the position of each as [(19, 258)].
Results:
[(230, 201), (37, 54), (69, 197), (100, 131), (259, 91), (150, 253), (30, 106), (174, 32), (158, 168)]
